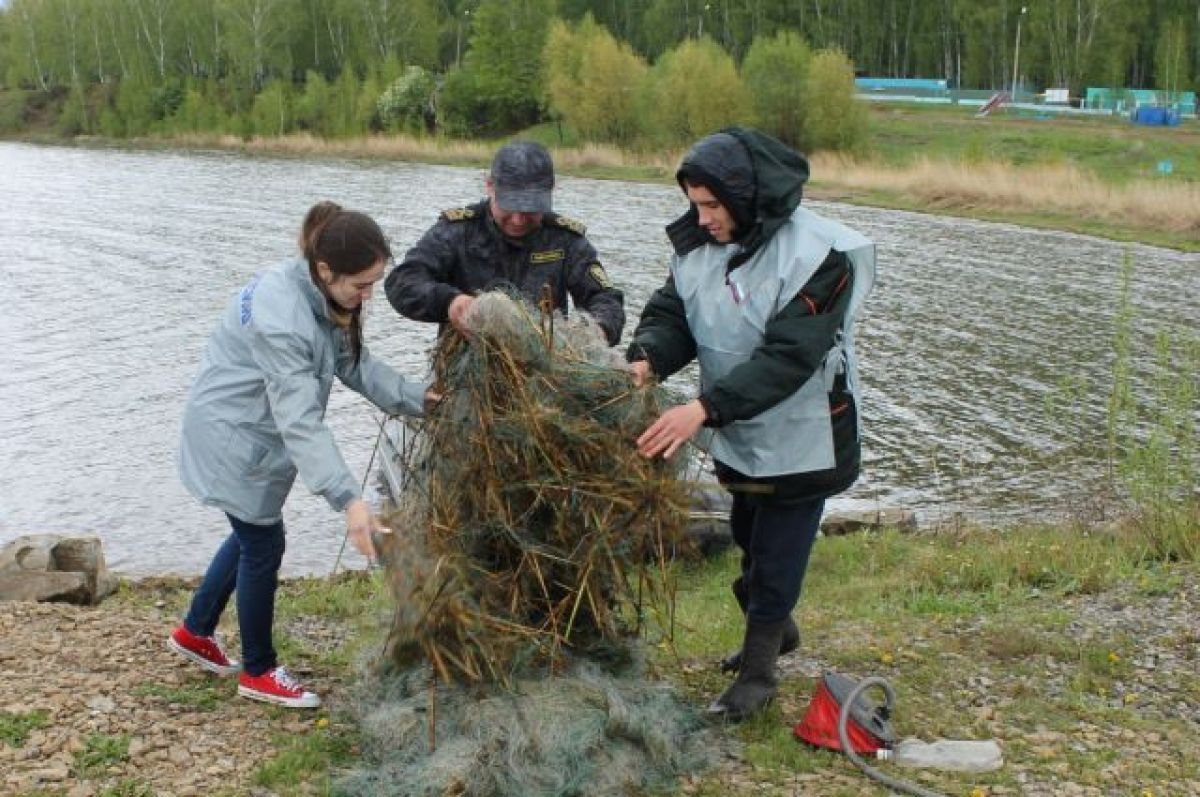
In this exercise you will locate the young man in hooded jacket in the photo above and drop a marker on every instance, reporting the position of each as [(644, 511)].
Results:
[(763, 293)]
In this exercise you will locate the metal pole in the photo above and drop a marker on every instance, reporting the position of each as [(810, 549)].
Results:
[(1017, 54)]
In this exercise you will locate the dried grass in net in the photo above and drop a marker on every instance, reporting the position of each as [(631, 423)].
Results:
[(530, 527)]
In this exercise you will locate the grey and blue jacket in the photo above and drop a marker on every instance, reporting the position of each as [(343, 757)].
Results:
[(465, 252), (255, 414), (770, 318)]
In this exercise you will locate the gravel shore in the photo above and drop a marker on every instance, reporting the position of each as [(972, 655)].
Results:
[(106, 671)]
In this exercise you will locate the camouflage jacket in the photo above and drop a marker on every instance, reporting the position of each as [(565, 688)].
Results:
[(464, 252)]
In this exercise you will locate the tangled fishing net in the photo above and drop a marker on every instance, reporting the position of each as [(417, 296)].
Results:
[(585, 732), (529, 549), (531, 526)]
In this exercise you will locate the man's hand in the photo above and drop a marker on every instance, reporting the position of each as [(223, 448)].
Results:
[(640, 370), (459, 312), (358, 528), (432, 399), (672, 429)]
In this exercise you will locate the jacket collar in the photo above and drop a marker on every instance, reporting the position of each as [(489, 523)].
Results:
[(297, 271)]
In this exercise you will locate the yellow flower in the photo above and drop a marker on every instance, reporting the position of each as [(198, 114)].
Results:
[(323, 722), (978, 791), (886, 658), (1113, 658), (1130, 697)]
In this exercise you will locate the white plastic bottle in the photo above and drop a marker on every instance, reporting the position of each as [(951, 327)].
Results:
[(946, 754)]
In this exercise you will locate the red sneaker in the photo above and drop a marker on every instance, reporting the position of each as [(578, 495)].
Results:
[(277, 686), (203, 650)]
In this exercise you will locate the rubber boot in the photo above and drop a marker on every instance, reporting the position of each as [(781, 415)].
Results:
[(756, 684), (791, 634)]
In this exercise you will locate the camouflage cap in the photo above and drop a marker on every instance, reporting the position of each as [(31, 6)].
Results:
[(523, 177)]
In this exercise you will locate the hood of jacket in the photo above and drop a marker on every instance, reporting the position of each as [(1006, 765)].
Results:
[(758, 179)]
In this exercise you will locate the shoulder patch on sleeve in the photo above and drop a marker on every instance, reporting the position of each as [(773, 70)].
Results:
[(458, 214), (597, 272), (568, 223)]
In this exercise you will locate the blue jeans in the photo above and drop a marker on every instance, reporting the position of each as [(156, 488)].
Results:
[(776, 540), (248, 560)]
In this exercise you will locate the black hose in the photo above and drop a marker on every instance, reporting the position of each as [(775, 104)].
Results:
[(843, 737)]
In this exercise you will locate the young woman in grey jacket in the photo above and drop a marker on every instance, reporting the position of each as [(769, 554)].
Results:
[(255, 419)]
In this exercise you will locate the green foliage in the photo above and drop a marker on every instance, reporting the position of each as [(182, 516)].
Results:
[(313, 103), (73, 120), (590, 81), (165, 99), (129, 788), (776, 71), (100, 751), (407, 104), (461, 108), (201, 696), (498, 90), (12, 109), (246, 46), (353, 104), (834, 119), (133, 109), (1152, 432), (1171, 57), (15, 728), (305, 759), (199, 110), (272, 111), (693, 91)]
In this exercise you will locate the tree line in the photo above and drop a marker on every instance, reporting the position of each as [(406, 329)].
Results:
[(626, 71)]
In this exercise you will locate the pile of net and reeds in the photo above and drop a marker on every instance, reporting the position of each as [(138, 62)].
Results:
[(528, 556)]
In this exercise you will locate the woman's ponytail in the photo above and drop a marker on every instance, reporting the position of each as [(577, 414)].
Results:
[(315, 220)]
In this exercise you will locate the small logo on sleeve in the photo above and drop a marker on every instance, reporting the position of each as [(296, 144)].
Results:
[(598, 273), (246, 300)]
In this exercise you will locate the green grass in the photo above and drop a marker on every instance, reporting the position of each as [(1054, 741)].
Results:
[(972, 628), (309, 760), (129, 788), (201, 695), (100, 751), (1111, 147), (357, 601), (15, 728), (957, 622)]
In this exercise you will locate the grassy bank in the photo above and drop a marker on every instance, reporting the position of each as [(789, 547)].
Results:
[(1094, 175), (1071, 647)]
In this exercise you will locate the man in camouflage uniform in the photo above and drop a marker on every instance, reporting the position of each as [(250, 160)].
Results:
[(512, 238)]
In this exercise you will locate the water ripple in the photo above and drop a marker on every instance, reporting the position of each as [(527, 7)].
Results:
[(125, 259)]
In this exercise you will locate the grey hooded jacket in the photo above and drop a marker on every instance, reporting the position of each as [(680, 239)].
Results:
[(255, 414)]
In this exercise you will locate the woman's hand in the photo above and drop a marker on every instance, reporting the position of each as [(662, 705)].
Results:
[(672, 429), (358, 528)]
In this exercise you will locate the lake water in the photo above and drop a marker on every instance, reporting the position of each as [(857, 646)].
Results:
[(117, 263)]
